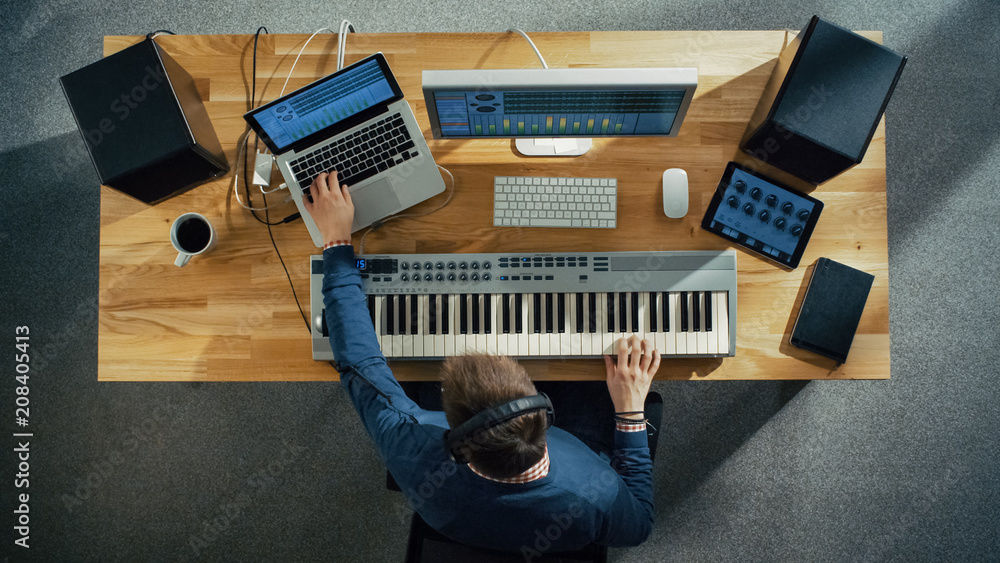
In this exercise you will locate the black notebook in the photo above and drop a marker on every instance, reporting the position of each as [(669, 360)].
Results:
[(831, 309)]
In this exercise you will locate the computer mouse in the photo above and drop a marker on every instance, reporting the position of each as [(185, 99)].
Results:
[(675, 193)]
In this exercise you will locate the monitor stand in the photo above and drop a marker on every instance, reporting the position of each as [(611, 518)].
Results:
[(572, 146)]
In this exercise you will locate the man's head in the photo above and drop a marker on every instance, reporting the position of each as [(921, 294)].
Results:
[(472, 384)]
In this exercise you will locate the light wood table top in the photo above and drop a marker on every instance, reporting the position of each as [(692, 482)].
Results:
[(230, 315)]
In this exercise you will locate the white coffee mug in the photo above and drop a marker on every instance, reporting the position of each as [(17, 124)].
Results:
[(192, 234)]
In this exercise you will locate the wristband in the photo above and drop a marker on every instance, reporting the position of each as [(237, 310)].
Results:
[(338, 242)]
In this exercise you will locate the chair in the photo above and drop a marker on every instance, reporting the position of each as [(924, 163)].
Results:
[(427, 544)]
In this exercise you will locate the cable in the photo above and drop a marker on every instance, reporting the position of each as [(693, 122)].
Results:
[(532, 43), (377, 224), (267, 221), (153, 34), (345, 28)]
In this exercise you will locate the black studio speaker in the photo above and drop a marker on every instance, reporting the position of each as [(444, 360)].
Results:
[(144, 124), (823, 102)]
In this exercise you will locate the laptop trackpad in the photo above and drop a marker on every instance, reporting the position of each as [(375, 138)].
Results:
[(374, 201)]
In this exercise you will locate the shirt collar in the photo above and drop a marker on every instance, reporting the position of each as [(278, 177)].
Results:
[(533, 473)]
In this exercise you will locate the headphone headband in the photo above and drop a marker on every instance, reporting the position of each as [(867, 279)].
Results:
[(456, 440)]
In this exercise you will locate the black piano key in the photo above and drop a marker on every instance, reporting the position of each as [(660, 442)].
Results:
[(652, 312), (403, 313), (635, 312), (463, 314), (518, 313), (548, 313), (414, 314), (684, 311), (390, 314), (622, 312), (561, 312), (488, 314), (537, 312), (708, 311), (444, 315), (696, 310), (371, 308), (506, 313), (475, 313), (665, 311), (592, 313), (611, 313), (432, 313), (579, 313)]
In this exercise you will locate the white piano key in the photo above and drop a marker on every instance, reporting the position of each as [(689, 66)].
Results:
[(480, 338), (692, 337), (603, 328), (575, 342), (421, 335), (439, 338), (493, 339), (680, 338), (721, 309), (643, 314), (452, 316), (397, 338), (379, 321), (407, 338), (523, 337), (713, 336), (658, 336)]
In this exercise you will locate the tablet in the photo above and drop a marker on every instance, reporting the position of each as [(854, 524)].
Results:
[(762, 215)]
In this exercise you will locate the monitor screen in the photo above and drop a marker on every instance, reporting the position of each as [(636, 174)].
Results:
[(557, 102), (335, 99)]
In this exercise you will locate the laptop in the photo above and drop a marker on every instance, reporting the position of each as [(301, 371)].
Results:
[(354, 121)]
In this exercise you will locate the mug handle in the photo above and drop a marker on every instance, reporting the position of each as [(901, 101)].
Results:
[(182, 259)]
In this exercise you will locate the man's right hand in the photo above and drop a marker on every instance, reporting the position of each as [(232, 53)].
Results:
[(331, 207), (629, 379)]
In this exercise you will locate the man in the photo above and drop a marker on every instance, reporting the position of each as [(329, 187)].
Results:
[(526, 488)]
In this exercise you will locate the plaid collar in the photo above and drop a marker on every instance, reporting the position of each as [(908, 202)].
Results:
[(533, 473)]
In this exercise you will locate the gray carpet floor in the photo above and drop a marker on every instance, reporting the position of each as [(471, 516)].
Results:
[(903, 470)]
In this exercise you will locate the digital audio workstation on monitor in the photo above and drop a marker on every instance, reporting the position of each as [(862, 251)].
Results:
[(556, 111)]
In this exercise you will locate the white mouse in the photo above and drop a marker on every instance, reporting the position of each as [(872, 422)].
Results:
[(675, 193)]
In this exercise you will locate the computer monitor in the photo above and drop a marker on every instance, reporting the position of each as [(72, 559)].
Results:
[(556, 111)]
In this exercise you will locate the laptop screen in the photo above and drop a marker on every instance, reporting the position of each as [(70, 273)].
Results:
[(339, 99)]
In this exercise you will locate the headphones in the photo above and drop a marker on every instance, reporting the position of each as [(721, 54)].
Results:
[(456, 440)]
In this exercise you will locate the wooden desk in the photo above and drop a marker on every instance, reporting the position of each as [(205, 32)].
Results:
[(229, 315)]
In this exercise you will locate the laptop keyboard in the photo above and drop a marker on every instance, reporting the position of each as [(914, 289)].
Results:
[(360, 155)]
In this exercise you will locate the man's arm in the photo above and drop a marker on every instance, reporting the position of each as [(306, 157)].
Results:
[(631, 519)]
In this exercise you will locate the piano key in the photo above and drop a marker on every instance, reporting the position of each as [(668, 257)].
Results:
[(505, 313), (685, 300), (463, 314), (534, 323), (397, 334), (536, 313), (576, 332), (549, 317), (371, 309), (413, 302), (702, 297), (696, 311), (475, 305), (439, 337), (379, 315), (522, 321), (496, 342), (642, 315), (653, 318), (657, 334), (634, 296), (722, 321), (448, 323), (390, 314), (561, 312), (605, 325), (680, 338), (711, 298), (421, 336), (622, 311), (692, 336), (665, 315), (488, 313), (405, 316), (479, 320), (591, 313), (708, 310), (445, 315)]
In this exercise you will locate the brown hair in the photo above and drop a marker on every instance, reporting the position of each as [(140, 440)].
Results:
[(471, 384)]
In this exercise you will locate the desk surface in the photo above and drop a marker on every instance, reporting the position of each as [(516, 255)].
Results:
[(230, 315)]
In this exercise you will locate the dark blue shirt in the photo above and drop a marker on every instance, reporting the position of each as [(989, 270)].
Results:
[(583, 499)]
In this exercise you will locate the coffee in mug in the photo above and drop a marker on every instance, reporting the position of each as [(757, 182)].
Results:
[(191, 234)]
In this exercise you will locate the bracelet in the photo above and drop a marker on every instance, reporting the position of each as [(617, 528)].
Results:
[(629, 412), (338, 242), (624, 420)]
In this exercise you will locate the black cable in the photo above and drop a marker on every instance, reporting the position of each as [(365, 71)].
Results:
[(246, 186)]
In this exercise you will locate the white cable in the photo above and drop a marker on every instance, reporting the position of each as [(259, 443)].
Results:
[(532, 43), (361, 246), (317, 32), (345, 28), (236, 176)]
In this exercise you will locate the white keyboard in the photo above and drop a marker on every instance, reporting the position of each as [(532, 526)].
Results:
[(532, 201)]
